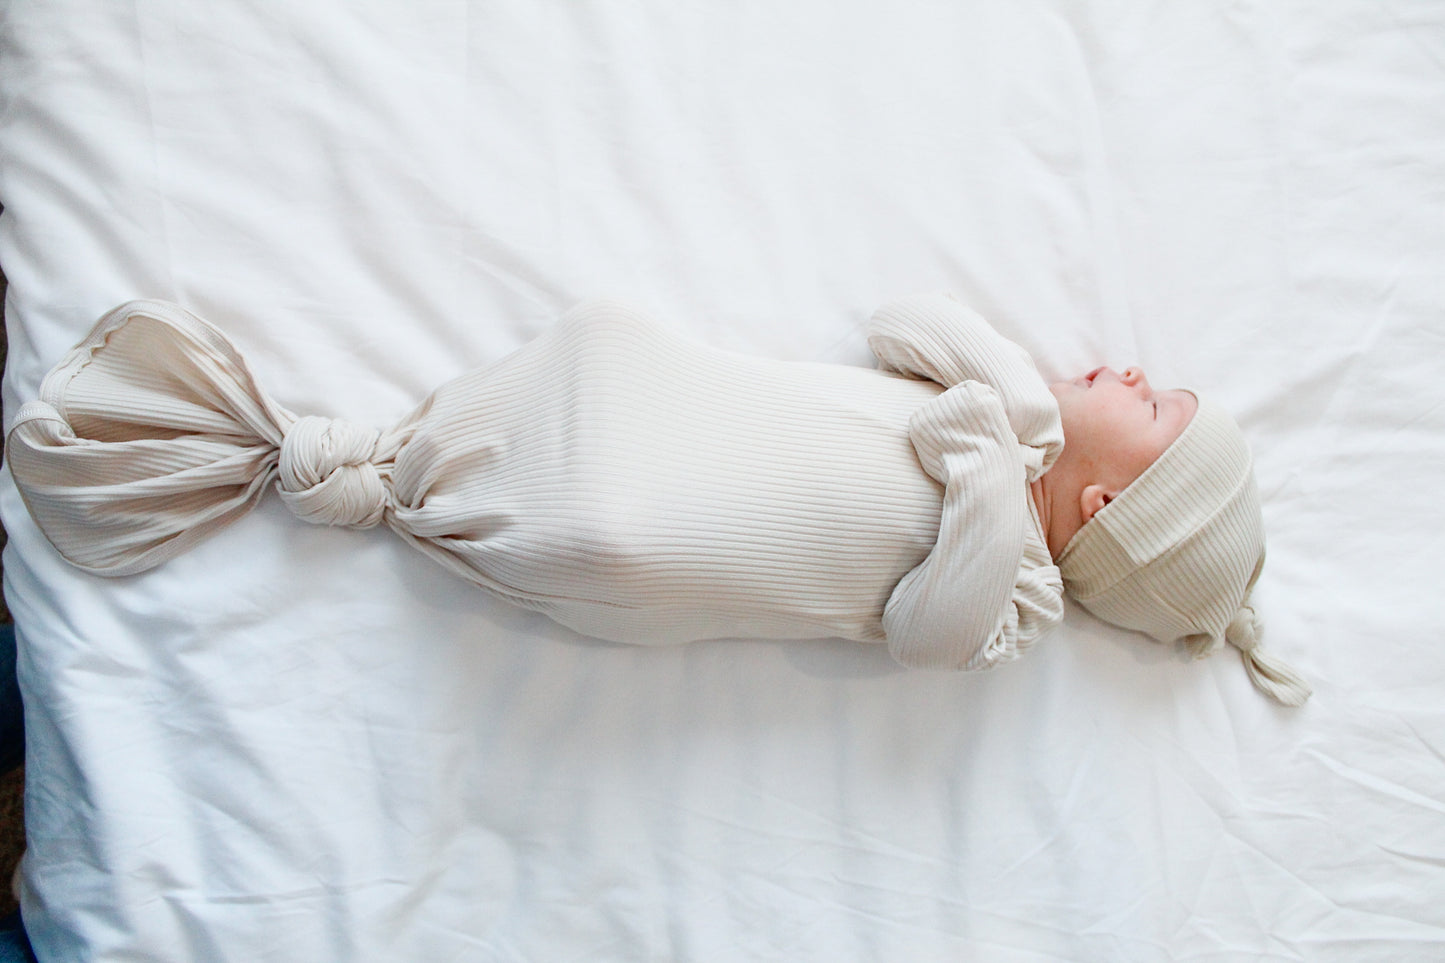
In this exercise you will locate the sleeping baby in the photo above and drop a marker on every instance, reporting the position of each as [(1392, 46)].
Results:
[(636, 486)]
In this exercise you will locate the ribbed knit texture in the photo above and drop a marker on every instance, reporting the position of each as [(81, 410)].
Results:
[(627, 482), (1176, 554)]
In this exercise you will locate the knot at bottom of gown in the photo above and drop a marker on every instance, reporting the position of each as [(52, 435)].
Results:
[(328, 475)]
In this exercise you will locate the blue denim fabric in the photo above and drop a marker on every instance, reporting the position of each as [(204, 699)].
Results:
[(12, 713), (14, 946)]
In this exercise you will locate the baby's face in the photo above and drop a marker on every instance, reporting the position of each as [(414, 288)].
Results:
[(1117, 422)]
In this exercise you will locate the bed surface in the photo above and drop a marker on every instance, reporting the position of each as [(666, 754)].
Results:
[(297, 743)]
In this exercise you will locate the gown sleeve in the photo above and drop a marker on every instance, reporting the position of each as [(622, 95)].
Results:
[(934, 337), (989, 587)]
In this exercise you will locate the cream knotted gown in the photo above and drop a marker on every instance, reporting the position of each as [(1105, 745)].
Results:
[(629, 483)]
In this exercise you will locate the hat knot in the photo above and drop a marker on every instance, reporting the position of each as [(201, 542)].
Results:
[(1270, 674), (328, 476), (1244, 629)]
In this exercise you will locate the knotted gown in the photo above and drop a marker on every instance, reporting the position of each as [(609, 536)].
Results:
[(629, 483)]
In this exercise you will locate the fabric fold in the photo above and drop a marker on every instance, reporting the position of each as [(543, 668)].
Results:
[(152, 434)]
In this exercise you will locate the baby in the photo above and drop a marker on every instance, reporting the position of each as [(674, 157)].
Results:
[(637, 486)]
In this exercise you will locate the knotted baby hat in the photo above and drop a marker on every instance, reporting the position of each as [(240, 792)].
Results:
[(1177, 553)]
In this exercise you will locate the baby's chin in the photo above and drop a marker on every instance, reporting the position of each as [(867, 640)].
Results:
[(1069, 395), (1062, 389)]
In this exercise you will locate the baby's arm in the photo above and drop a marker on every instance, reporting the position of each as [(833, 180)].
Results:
[(935, 337), (975, 601)]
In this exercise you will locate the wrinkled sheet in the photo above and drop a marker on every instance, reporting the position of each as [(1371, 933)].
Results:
[(298, 743)]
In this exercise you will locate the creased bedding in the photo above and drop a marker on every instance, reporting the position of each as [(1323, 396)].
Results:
[(305, 743)]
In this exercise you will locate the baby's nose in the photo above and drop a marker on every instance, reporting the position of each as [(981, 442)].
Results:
[(1134, 376)]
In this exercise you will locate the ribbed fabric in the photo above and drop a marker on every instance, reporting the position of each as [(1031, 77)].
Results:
[(936, 337), (997, 417), (628, 483), (1176, 555)]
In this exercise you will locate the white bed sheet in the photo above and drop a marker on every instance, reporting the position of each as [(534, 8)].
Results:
[(306, 744)]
